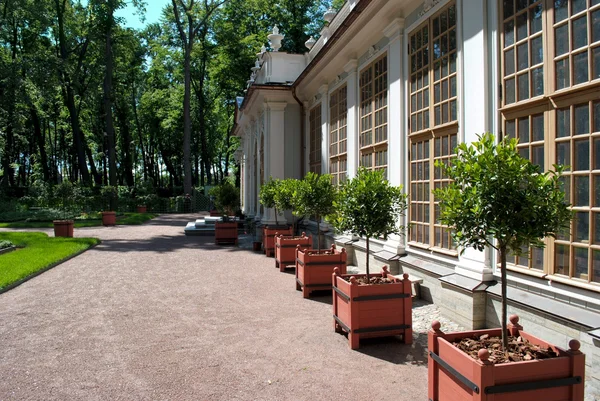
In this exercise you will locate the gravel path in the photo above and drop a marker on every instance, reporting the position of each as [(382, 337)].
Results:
[(151, 314)]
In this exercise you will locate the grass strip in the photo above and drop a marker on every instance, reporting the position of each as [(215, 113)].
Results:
[(125, 219), (36, 252)]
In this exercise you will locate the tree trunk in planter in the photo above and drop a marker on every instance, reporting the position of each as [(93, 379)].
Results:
[(454, 375), (63, 228), (109, 218), (373, 310), (269, 233), (314, 268), (226, 232), (285, 249)]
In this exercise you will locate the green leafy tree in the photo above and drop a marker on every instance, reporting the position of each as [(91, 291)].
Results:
[(315, 196), (286, 195), (227, 197), (267, 195), (499, 199), (368, 206)]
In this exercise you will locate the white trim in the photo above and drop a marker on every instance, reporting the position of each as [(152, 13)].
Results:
[(426, 16), (335, 86), (431, 255), (369, 60)]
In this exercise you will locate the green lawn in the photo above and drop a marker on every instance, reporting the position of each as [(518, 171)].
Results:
[(36, 252), (125, 219)]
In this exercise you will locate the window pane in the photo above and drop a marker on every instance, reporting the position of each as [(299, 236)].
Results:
[(582, 119), (537, 259), (509, 33), (596, 26), (577, 6), (581, 263), (535, 19), (538, 156), (537, 127), (509, 62), (597, 190), (523, 81), (510, 90), (537, 81), (562, 74), (582, 155), (522, 26), (579, 32), (596, 228), (508, 8), (563, 123), (582, 227), (596, 62), (596, 267), (510, 128), (561, 260), (563, 153), (561, 39), (524, 130), (522, 56), (596, 107), (582, 190), (560, 10), (537, 51), (580, 68), (596, 153)]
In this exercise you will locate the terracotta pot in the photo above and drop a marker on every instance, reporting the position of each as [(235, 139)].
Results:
[(226, 232), (256, 246), (63, 228), (314, 268), (141, 209), (109, 218), (215, 213), (285, 249), (375, 310), (269, 233), (454, 375)]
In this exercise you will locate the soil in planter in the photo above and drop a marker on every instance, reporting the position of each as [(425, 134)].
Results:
[(519, 349), (374, 280)]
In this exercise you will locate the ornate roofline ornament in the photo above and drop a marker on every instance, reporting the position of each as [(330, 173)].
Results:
[(371, 52), (275, 39), (428, 5)]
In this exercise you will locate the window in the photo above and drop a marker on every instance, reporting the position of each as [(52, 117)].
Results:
[(315, 139), (433, 124), (373, 116), (337, 135), (550, 104)]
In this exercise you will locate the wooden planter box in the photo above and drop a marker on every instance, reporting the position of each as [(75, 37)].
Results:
[(226, 232), (63, 228), (285, 249), (376, 310), (109, 218), (141, 209), (215, 213), (269, 233), (314, 268), (454, 375)]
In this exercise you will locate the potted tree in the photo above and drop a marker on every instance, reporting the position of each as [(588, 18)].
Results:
[(501, 200), (251, 229), (64, 227), (285, 245), (227, 199), (314, 197), (370, 305), (109, 198), (267, 195)]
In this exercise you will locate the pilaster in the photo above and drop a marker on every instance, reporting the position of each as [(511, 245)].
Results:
[(352, 123), (274, 149), (323, 90)]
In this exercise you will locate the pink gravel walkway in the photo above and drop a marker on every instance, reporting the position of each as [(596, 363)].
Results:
[(151, 314)]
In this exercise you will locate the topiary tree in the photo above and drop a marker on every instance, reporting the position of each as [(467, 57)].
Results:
[(368, 206), (499, 199), (227, 197), (64, 192), (285, 195), (314, 196), (267, 195)]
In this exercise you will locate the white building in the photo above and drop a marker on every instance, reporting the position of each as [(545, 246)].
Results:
[(395, 85)]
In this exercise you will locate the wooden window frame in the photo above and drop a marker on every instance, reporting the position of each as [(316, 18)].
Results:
[(315, 139), (338, 127)]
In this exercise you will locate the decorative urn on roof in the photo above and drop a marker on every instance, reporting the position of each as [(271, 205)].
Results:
[(329, 15), (275, 39), (256, 67), (310, 43)]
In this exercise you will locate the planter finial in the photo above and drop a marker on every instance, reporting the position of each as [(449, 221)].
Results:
[(436, 325), (336, 271), (303, 233), (483, 355), (405, 276), (353, 281), (384, 271), (514, 319), (574, 345)]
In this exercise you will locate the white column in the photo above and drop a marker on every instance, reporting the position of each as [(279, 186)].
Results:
[(473, 64), (352, 101), (306, 143), (323, 90), (247, 173), (274, 149), (396, 134), (256, 130)]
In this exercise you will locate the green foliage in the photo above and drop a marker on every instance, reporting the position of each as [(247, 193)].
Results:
[(498, 194), (267, 194), (64, 192), (227, 197), (314, 196), (39, 252), (5, 244), (368, 206), (109, 195), (286, 194)]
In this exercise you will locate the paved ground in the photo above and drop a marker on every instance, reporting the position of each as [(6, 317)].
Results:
[(151, 314)]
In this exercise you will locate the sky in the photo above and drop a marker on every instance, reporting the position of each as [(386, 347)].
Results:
[(153, 13)]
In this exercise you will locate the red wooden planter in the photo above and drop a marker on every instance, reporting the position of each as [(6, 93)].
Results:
[(375, 310), (269, 233), (285, 249), (63, 228), (141, 209), (314, 268), (454, 375), (226, 232), (109, 218)]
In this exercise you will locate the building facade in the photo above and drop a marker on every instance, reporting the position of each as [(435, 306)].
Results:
[(395, 85)]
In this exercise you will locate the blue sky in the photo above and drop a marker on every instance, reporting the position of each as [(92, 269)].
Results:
[(153, 13)]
